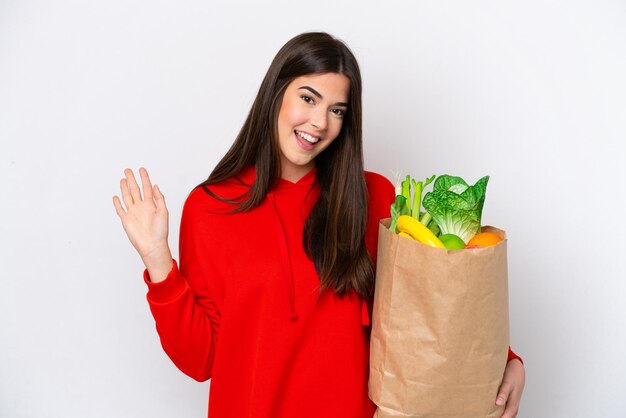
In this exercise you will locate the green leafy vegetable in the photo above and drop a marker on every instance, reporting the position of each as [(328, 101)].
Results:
[(406, 189), (418, 187), (399, 207), (455, 206), (405, 206), (432, 225)]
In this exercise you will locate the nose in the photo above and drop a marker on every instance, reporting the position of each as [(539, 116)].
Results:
[(319, 118)]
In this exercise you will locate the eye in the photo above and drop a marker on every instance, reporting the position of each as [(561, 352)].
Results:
[(339, 112), (307, 99)]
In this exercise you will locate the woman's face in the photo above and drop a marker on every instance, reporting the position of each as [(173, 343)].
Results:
[(310, 118)]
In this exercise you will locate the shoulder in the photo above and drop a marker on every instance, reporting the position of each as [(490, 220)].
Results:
[(205, 199), (381, 194), (378, 183), (379, 188)]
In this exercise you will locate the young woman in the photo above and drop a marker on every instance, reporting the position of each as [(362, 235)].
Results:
[(272, 296)]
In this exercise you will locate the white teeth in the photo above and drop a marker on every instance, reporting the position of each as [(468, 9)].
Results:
[(308, 137)]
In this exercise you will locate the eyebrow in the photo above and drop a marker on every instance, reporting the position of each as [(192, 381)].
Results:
[(315, 92)]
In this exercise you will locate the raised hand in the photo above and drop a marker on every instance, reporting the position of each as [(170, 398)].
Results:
[(145, 221)]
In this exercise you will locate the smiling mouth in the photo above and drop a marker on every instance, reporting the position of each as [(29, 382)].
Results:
[(309, 138)]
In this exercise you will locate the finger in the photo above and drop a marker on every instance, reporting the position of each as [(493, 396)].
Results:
[(512, 408), (132, 185), (503, 394), (159, 198), (145, 182), (126, 196), (118, 207)]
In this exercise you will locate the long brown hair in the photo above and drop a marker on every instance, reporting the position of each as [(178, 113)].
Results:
[(335, 228)]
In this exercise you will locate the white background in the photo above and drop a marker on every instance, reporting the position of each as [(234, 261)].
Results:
[(532, 93)]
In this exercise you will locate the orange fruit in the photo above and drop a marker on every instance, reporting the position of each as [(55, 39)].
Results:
[(484, 239)]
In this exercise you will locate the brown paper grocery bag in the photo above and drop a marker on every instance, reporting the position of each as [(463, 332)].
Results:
[(440, 329)]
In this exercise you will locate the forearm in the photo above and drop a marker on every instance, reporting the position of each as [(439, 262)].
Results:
[(186, 331)]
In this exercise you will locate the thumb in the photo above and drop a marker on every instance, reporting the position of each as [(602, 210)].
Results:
[(503, 394), (158, 198)]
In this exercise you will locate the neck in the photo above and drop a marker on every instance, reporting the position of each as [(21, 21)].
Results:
[(294, 175)]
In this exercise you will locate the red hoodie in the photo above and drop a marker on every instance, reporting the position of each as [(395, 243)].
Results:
[(242, 307)]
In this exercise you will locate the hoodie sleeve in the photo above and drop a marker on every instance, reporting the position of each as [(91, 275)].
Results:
[(512, 356), (183, 305)]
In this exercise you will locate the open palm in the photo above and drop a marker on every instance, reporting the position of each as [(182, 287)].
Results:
[(145, 220)]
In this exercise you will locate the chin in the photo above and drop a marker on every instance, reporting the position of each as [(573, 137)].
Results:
[(301, 162)]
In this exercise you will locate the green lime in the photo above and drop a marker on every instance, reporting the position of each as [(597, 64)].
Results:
[(452, 242)]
